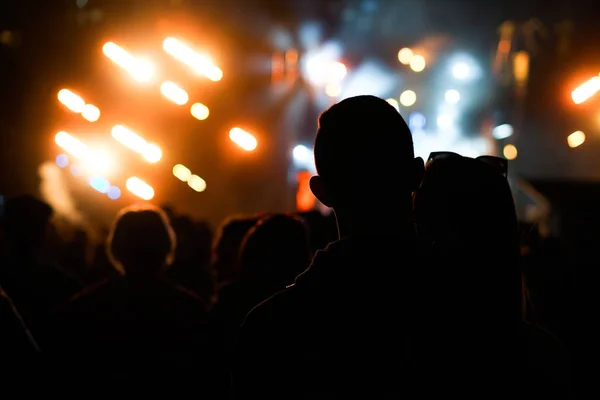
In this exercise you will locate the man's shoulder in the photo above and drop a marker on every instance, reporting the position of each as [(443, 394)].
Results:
[(281, 306)]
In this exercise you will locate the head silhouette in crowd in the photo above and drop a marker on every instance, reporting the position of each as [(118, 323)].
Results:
[(366, 168), (141, 242), (275, 251), (465, 212), (25, 223), (226, 245)]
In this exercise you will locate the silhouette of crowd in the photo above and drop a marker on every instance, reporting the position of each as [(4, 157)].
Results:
[(404, 291)]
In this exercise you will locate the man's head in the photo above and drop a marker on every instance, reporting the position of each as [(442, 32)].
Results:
[(141, 241), (364, 156), (25, 223)]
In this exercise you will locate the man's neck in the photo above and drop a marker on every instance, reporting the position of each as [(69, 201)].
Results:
[(376, 225)]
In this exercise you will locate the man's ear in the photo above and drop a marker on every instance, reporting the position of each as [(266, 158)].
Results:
[(418, 171), (317, 187)]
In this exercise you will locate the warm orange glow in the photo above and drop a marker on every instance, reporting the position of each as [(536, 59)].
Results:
[(71, 100), (199, 111), (94, 160), (199, 63), (91, 113), (510, 152), (576, 139), (181, 172), (586, 90), (174, 93), (243, 139), (139, 188), (305, 200), (150, 151), (140, 70), (197, 183)]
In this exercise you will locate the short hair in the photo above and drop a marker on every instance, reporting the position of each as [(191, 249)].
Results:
[(362, 136), (141, 237)]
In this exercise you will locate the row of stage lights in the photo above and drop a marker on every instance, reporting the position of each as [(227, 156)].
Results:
[(96, 162)]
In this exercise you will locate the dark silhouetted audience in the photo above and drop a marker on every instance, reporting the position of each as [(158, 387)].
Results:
[(136, 331), (467, 221), (342, 327), (417, 288)]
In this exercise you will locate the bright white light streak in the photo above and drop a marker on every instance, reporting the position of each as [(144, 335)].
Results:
[(199, 63), (139, 188), (140, 69)]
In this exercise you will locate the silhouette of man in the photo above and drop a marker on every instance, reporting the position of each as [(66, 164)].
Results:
[(339, 328)]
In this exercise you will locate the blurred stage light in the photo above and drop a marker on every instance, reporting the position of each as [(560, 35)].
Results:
[(99, 184), (503, 131), (199, 63), (408, 98), (417, 63), (93, 160), (199, 111), (91, 113), (174, 93), (141, 70), (302, 153), (405, 55), (394, 103), (139, 188), (586, 90), (62, 160), (197, 183), (445, 121), (181, 172), (337, 72), (452, 96), (243, 139), (461, 70), (151, 152), (77, 170), (114, 193), (416, 121), (510, 152), (71, 100), (333, 89), (321, 66), (576, 139)]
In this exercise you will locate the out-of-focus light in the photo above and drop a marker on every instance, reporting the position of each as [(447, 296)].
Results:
[(461, 70), (405, 55), (302, 153), (243, 139), (444, 121), (62, 160), (71, 145), (99, 184), (181, 172), (417, 63), (452, 96), (416, 121), (139, 188), (71, 100), (502, 131), (576, 139), (337, 72), (97, 161), (586, 90), (408, 98), (77, 170), (128, 138), (199, 111), (114, 193), (333, 89), (141, 70), (199, 63), (90, 112), (510, 152), (394, 103), (197, 183), (174, 93), (152, 153)]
